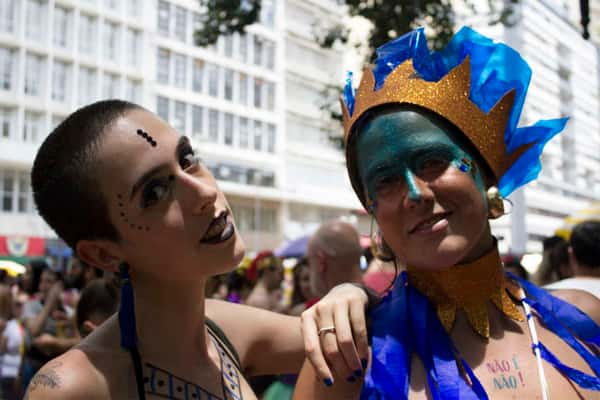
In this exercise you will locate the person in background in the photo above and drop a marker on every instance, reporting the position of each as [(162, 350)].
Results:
[(99, 300), (48, 324), (11, 346), (238, 287), (333, 255), (555, 262), (584, 257), (266, 269), (302, 295)]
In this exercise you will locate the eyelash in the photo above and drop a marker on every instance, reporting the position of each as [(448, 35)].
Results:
[(187, 161)]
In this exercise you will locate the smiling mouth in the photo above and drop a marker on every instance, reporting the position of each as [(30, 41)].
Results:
[(220, 229), (430, 224)]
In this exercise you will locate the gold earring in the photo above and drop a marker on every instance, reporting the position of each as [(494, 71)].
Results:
[(495, 203)]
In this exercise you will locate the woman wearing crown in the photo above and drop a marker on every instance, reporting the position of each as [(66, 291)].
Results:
[(432, 146)]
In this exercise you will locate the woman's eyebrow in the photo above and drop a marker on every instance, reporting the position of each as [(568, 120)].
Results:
[(182, 143)]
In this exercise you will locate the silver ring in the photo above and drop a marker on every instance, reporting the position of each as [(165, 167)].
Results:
[(327, 329)]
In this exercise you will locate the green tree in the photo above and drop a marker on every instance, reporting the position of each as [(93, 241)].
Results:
[(389, 19)]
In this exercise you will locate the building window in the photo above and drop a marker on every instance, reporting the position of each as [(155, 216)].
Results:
[(181, 23), (34, 70), (179, 73), (7, 62), (258, 135), (110, 86), (228, 129), (164, 17), (60, 71), (133, 90), (162, 107), (35, 19), (7, 121), (243, 52), (87, 85), (270, 86), (134, 7), (271, 138), (197, 75), (133, 45), (62, 24), (213, 125), (270, 55), (228, 47), (258, 85), (197, 121), (111, 42), (87, 34), (7, 189), (179, 117), (244, 133), (8, 15), (243, 89), (213, 80), (162, 67), (32, 126), (111, 4), (267, 13), (25, 193), (258, 50), (228, 84)]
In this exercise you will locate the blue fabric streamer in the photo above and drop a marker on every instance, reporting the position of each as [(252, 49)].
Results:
[(582, 379), (496, 69), (404, 323), (578, 322), (127, 311)]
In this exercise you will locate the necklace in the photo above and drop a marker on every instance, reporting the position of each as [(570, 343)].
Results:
[(162, 383), (468, 287)]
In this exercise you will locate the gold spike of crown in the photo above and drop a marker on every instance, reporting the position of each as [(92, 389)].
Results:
[(449, 98)]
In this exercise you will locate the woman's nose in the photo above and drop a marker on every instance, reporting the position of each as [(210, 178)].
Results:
[(198, 194), (418, 191)]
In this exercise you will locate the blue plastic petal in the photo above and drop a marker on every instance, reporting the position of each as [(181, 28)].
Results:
[(528, 166), (349, 94)]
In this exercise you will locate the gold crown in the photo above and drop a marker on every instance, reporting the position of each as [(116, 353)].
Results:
[(449, 98)]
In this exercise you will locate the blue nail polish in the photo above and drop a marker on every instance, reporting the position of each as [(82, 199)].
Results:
[(328, 382), (364, 362), (358, 373), (351, 378)]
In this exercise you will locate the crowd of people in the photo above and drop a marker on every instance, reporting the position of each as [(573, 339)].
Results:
[(44, 312), (162, 303)]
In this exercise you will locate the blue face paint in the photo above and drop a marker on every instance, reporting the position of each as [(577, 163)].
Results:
[(397, 147)]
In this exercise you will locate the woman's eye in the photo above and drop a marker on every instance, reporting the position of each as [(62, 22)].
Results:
[(385, 184), (154, 192), (434, 165)]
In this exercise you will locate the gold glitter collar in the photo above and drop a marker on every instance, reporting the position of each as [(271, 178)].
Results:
[(468, 287)]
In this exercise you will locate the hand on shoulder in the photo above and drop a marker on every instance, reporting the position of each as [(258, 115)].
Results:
[(68, 377)]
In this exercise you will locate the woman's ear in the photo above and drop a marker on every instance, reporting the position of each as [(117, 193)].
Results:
[(103, 254)]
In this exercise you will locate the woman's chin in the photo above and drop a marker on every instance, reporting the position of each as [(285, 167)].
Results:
[(448, 252)]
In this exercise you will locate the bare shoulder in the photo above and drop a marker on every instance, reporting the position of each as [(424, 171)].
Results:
[(96, 369), (69, 376), (232, 317), (586, 302)]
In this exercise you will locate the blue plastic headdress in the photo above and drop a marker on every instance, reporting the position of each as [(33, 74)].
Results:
[(495, 71)]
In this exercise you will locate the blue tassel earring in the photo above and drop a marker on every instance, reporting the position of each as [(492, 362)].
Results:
[(127, 310), (128, 327)]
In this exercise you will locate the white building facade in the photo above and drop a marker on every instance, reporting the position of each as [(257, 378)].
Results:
[(565, 83), (250, 102)]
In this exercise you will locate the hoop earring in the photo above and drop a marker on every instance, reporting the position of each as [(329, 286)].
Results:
[(379, 247), (495, 203)]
